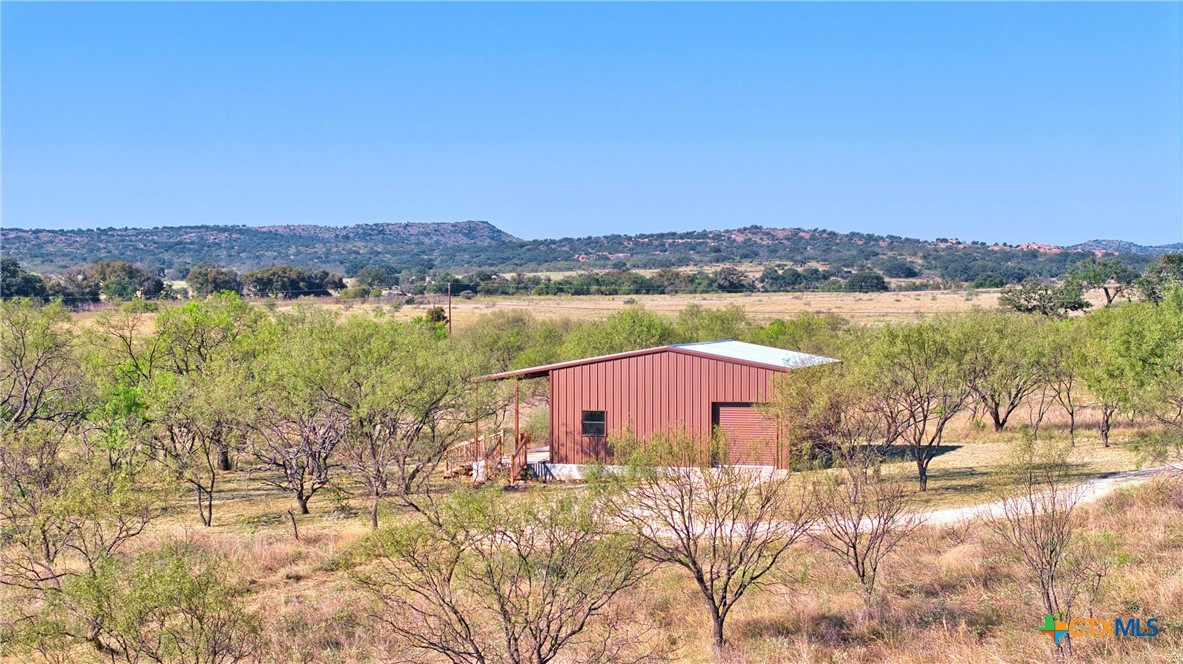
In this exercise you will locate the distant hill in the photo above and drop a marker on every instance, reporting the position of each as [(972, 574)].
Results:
[(462, 247), (242, 247), (1123, 247)]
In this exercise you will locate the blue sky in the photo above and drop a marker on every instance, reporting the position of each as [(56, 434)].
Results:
[(1003, 122)]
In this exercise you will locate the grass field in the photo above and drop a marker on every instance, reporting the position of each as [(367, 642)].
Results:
[(761, 307)]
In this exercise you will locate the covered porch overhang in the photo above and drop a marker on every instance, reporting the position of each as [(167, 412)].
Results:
[(519, 454)]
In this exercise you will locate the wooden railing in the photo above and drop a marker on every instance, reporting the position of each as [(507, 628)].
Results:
[(520, 456), (490, 448)]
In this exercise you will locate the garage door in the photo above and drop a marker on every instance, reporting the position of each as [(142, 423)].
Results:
[(749, 435)]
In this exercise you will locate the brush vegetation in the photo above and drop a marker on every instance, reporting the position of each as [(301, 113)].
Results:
[(220, 482)]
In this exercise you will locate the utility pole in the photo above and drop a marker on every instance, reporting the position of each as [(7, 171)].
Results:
[(449, 308)]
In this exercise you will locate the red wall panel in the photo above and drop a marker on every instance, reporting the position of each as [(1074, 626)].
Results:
[(651, 393)]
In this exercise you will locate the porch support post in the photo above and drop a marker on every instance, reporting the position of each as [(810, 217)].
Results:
[(476, 423), (517, 435)]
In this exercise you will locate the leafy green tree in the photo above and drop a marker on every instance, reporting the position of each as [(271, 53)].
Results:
[(192, 336), (377, 276), (632, 328), (74, 287), (63, 511), (119, 289), (125, 281), (437, 315), (824, 411), (289, 281), (1064, 355), (195, 417), (1036, 297), (1162, 363), (39, 376), (732, 280), (807, 333), (1161, 276), (1004, 360), (917, 384), (1131, 360), (486, 578), (167, 605), (16, 282), (899, 268), (697, 323), (866, 282), (512, 340), (1108, 274), (296, 429), (197, 332), (405, 393), (205, 280), (988, 280), (63, 508), (120, 356), (787, 279)]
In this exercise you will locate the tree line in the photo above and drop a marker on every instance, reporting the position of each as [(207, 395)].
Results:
[(123, 281)]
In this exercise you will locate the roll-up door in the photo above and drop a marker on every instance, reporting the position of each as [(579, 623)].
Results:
[(750, 436)]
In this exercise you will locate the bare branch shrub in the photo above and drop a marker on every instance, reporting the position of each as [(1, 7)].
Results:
[(726, 526), (299, 445), (483, 579), (1037, 523), (168, 605), (863, 514)]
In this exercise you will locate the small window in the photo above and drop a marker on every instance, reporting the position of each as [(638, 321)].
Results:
[(593, 422)]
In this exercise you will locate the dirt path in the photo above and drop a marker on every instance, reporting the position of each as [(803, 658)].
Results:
[(1090, 490)]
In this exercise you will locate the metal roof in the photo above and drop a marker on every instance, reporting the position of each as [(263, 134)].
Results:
[(726, 349), (756, 354)]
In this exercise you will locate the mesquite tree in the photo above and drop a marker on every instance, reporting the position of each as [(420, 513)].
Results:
[(200, 333), (863, 513), (297, 444), (404, 392), (1003, 360), (825, 409), (194, 417), (1148, 358), (40, 379), (1037, 523), (170, 604), (1064, 357), (727, 527), (485, 577), (916, 383), (63, 512)]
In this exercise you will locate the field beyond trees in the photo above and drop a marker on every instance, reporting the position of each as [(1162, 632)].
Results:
[(219, 481)]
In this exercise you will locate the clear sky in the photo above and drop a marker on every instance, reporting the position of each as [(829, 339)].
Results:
[(1003, 122)]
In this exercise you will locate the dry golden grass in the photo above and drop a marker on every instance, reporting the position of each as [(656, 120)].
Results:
[(968, 472), (947, 595), (761, 307)]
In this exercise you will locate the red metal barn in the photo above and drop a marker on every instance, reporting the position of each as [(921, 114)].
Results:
[(692, 387)]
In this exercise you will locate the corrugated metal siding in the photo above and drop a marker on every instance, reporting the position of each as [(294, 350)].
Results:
[(653, 393)]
